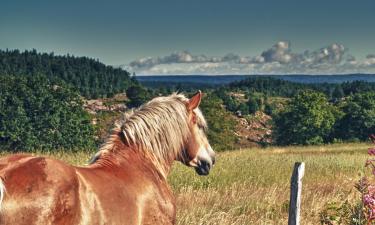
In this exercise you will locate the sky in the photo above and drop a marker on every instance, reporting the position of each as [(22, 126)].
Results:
[(200, 36)]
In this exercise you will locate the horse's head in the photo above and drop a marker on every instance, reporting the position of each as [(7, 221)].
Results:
[(197, 151)]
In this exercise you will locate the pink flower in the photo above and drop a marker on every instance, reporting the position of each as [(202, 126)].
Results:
[(369, 200), (367, 190), (371, 151)]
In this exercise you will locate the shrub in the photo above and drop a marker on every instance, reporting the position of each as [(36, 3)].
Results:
[(359, 119), (307, 119), (220, 123), (137, 96), (36, 113), (367, 188)]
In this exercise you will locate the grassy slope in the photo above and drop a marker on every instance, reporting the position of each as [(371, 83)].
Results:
[(252, 187)]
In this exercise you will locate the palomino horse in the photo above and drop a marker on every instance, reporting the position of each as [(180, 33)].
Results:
[(126, 180)]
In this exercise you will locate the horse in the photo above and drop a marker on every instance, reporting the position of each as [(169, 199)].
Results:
[(125, 182)]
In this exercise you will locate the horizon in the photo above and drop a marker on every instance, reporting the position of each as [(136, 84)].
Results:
[(156, 75)]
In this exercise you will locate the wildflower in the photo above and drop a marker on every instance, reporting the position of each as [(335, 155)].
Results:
[(371, 151), (368, 190)]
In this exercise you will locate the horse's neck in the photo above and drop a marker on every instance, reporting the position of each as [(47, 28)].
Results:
[(123, 157)]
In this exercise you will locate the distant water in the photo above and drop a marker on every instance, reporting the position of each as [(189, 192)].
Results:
[(213, 80)]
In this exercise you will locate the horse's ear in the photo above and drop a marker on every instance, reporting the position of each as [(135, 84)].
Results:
[(195, 101)]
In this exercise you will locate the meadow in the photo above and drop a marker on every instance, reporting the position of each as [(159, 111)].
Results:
[(251, 186)]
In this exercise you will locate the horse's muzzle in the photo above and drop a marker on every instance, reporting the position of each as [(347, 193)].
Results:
[(203, 168)]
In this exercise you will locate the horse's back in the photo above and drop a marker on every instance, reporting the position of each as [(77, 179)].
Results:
[(38, 190), (124, 197)]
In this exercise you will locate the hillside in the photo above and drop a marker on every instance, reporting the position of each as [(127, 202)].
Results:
[(92, 78), (253, 131)]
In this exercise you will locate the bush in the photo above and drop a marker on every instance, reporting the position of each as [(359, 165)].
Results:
[(137, 96), (342, 213), (36, 113), (367, 188), (253, 105), (359, 119), (307, 119), (221, 125)]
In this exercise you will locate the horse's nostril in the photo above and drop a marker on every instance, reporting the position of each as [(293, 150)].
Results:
[(208, 166), (205, 164)]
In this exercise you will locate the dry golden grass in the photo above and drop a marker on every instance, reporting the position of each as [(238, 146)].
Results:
[(252, 186)]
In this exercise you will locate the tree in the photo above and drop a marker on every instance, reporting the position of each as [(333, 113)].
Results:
[(269, 108), (90, 77), (307, 119), (36, 113), (137, 96), (230, 103), (253, 104), (244, 108), (220, 123), (338, 92), (359, 119)]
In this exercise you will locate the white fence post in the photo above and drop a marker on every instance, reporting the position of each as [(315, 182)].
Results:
[(295, 193)]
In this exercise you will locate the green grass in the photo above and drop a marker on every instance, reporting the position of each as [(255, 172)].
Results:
[(252, 186)]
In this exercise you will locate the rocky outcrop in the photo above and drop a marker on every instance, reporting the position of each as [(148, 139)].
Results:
[(115, 104), (254, 130)]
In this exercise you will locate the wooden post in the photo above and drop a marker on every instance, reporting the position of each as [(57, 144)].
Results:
[(295, 193)]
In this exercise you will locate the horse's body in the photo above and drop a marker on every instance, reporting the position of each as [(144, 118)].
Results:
[(47, 191), (123, 184)]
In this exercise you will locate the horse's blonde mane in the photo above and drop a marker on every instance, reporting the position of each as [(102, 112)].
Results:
[(158, 128)]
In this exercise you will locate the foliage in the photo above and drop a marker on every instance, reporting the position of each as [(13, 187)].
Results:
[(243, 108), (358, 121), (342, 213), (137, 96), (367, 188), (338, 92), (230, 103), (92, 78), (220, 123), (269, 108), (268, 85), (36, 113), (308, 119), (277, 87), (254, 104)]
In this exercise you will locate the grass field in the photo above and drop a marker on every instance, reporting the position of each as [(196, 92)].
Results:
[(252, 186)]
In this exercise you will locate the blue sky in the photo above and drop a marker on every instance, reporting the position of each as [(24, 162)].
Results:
[(200, 36)]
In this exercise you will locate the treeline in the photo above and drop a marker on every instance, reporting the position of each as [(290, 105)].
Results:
[(258, 90), (41, 105), (90, 77), (309, 118), (302, 114), (276, 87), (306, 113)]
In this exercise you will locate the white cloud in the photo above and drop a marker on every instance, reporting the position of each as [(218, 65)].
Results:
[(370, 60), (279, 59), (280, 52)]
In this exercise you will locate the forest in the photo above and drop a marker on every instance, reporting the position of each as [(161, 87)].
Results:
[(42, 98), (90, 77)]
